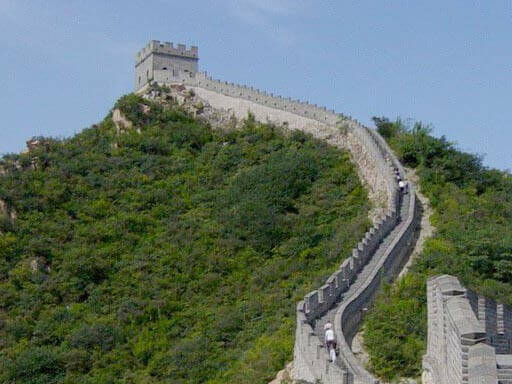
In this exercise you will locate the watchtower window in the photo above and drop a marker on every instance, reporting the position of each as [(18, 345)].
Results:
[(147, 74), (164, 68), (139, 79)]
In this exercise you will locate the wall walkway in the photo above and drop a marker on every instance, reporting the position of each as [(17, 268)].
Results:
[(379, 255)]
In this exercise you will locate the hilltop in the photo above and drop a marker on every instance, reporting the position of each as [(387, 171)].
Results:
[(167, 244), (172, 241)]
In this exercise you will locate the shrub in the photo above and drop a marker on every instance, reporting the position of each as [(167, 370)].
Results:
[(473, 241), (177, 255), (40, 365)]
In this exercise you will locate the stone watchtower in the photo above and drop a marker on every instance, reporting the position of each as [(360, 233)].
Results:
[(159, 59)]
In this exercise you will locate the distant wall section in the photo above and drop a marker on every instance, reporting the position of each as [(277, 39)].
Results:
[(374, 164)]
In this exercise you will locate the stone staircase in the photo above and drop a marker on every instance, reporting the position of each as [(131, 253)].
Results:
[(365, 273), (348, 301), (344, 297)]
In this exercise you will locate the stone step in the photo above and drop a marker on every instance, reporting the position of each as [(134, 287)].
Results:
[(365, 272)]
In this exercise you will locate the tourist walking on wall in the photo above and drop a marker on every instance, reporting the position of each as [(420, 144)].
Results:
[(403, 186), (330, 341)]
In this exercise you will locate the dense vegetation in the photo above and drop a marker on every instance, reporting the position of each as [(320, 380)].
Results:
[(473, 216), (176, 255)]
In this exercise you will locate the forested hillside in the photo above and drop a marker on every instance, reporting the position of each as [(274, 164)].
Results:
[(473, 216), (176, 254)]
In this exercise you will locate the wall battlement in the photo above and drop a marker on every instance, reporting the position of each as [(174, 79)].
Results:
[(157, 56), (396, 223), (167, 48), (469, 336)]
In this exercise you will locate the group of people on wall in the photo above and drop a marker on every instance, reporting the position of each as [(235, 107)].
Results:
[(329, 336), (402, 184)]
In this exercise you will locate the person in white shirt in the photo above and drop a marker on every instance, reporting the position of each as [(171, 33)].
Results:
[(403, 186), (330, 341)]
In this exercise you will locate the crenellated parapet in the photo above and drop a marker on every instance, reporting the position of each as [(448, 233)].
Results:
[(468, 335), (378, 257), (166, 48), (166, 57)]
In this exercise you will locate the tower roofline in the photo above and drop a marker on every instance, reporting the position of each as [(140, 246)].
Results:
[(167, 48)]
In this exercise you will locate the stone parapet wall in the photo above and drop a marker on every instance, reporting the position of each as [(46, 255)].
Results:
[(352, 309), (467, 335), (318, 302), (375, 163)]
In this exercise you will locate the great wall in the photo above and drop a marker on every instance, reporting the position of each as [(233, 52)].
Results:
[(378, 257), (469, 337)]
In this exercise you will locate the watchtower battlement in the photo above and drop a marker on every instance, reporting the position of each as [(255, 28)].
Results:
[(167, 48), (157, 56)]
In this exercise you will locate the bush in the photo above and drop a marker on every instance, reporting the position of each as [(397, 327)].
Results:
[(472, 206), (93, 336), (41, 365), (176, 256)]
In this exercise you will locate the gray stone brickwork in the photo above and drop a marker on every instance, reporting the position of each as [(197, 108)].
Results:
[(373, 164), (378, 257), (164, 58), (468, 335)]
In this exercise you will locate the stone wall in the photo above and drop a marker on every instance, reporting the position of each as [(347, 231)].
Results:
[(164, 57), (352, 309), (310, 358), (468, 335), (372, 162), (375, 162)]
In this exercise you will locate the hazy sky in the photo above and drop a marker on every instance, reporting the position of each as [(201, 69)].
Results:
[(447, 63)]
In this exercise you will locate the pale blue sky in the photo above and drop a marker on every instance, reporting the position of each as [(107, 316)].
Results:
[(448, 63)]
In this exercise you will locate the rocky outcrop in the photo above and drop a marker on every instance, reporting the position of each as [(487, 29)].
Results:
[(36, 143), (4, 211), (284, 376), (7, 212), (121, 123)]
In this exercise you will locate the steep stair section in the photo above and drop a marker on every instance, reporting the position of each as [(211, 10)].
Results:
[(377, 257)]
